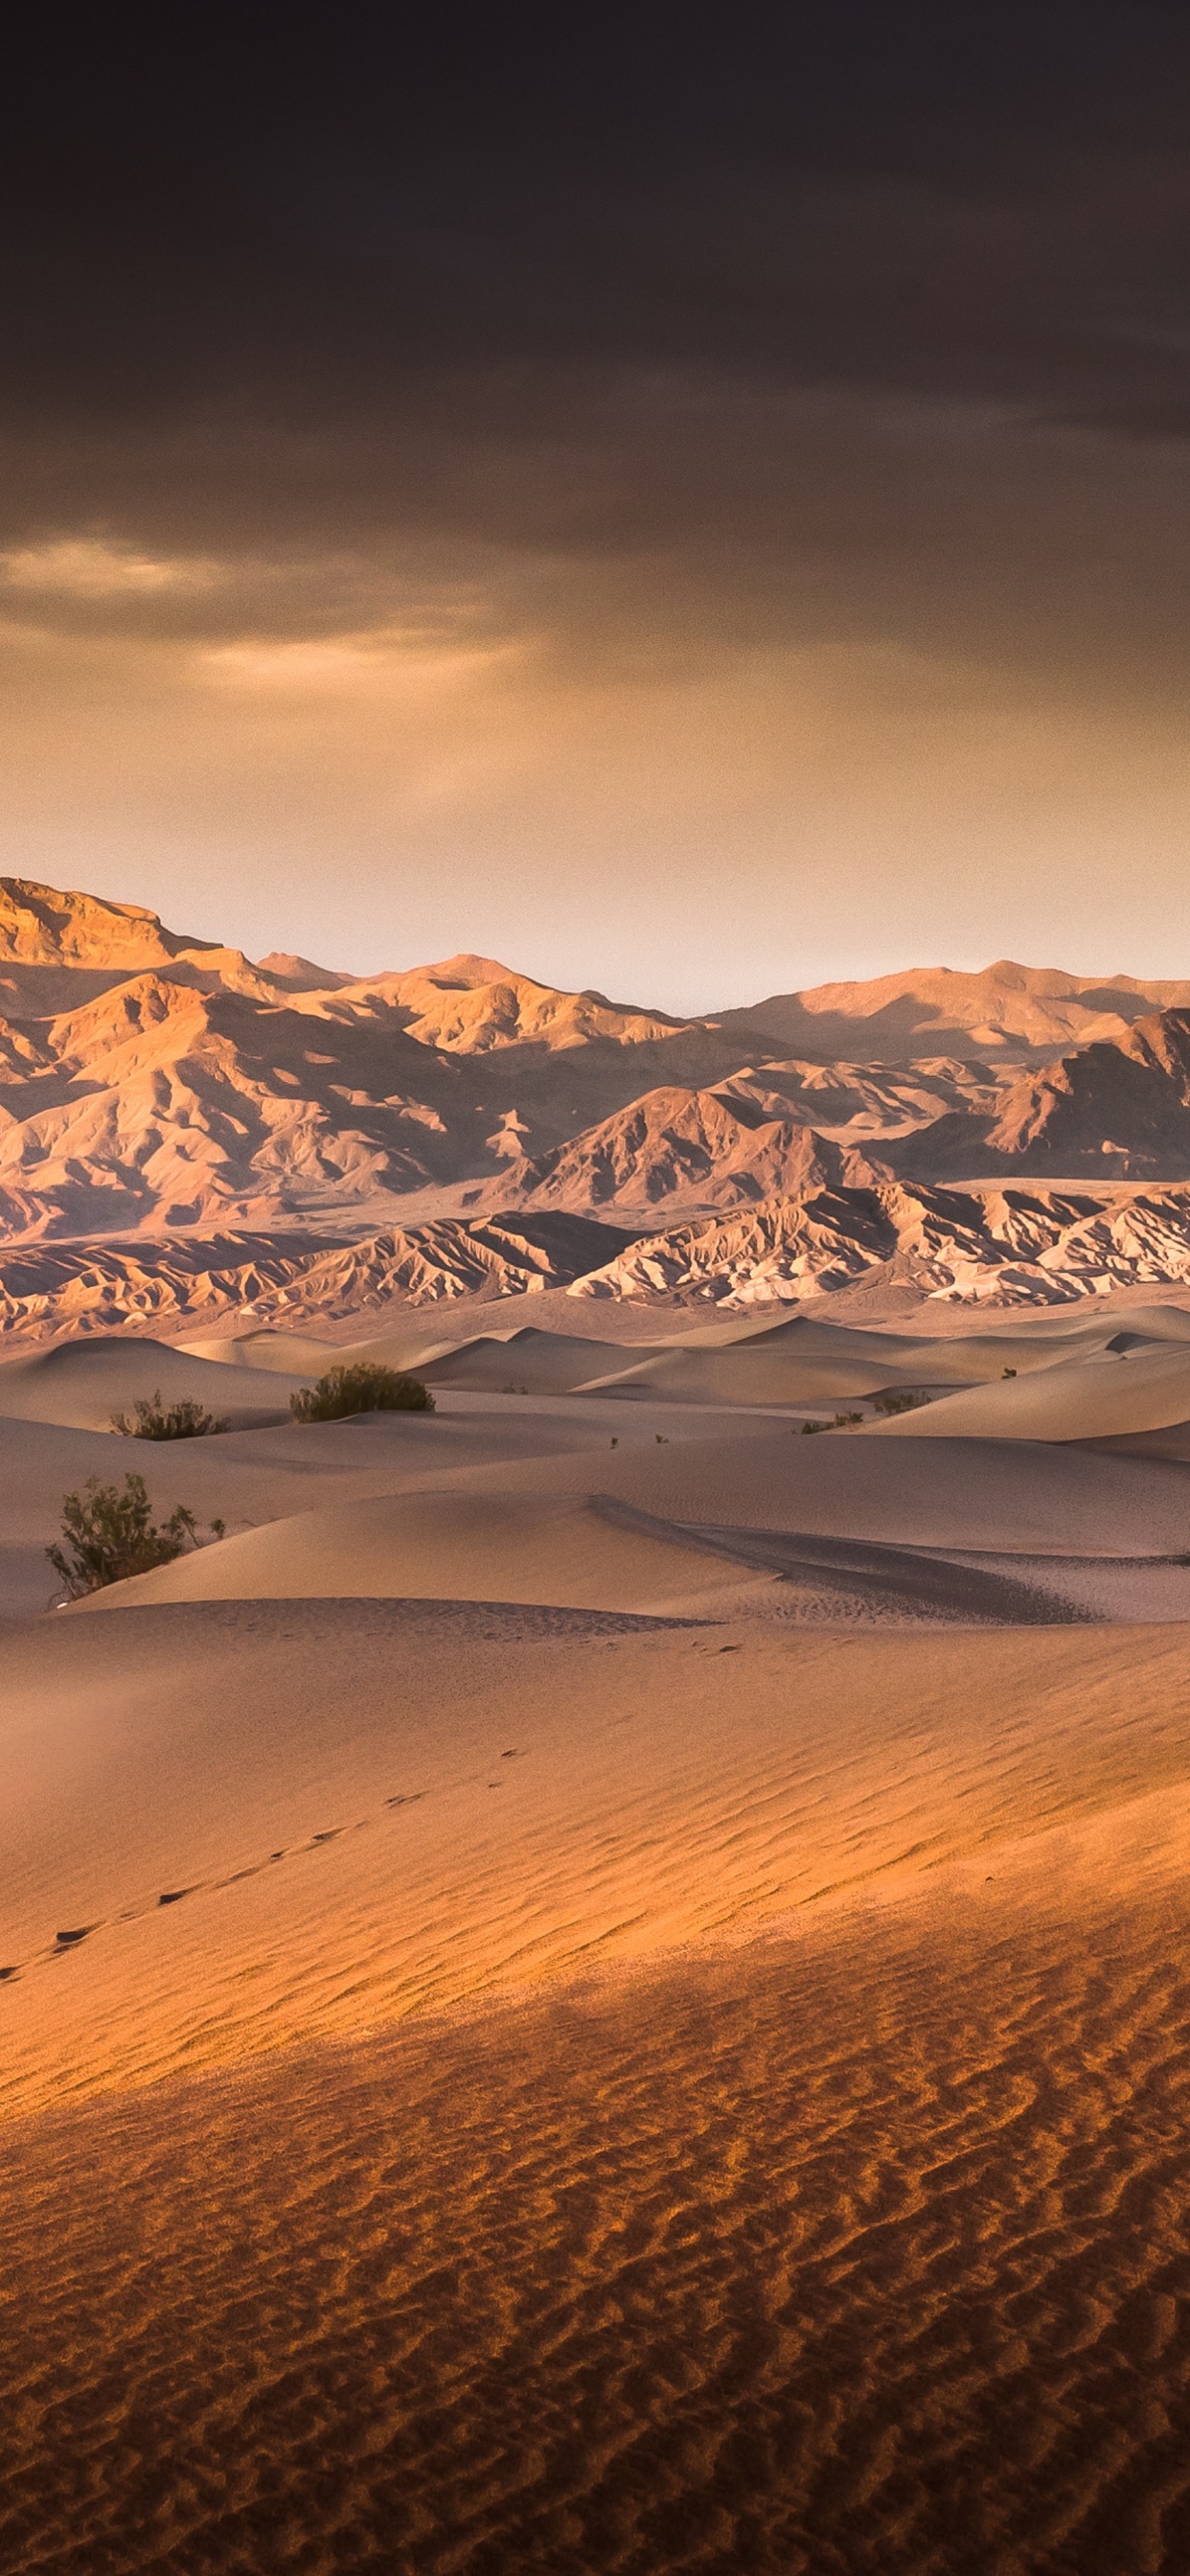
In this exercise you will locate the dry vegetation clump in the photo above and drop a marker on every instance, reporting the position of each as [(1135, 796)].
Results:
[(366, 1388), (151, 1420), (108, 1534)]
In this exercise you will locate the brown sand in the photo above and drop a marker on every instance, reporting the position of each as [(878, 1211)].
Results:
[(860, 2247), (603, 2077)]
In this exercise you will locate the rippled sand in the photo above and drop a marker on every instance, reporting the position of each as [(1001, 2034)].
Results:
[(864, 2251), (666, 2051)]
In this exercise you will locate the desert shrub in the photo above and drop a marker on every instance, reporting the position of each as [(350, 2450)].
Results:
[(366, 1388), (903, 1401), (108, 1534), (185, 1420)]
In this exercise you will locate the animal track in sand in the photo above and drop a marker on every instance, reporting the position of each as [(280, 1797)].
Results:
[(66, 1941)]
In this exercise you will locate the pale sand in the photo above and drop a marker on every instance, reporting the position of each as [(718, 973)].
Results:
[(85, 1383), (608, 2092), (1092, 1397), (752, 1523), (260, 1476)]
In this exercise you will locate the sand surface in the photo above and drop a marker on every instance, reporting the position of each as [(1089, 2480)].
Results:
[(603, 1985)]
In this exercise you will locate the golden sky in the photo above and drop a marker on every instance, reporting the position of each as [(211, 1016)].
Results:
[(693, 543)]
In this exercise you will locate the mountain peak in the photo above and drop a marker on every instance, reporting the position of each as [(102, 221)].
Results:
[(39, 926)]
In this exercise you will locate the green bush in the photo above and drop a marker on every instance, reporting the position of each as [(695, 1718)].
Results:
[(182, 1421), (365, 1388), (107, 1535), (902, 1402)]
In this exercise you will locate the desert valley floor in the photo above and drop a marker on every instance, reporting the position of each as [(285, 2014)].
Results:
[(604, 1982)]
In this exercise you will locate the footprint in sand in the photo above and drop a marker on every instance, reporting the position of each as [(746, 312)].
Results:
[(70, 1938)]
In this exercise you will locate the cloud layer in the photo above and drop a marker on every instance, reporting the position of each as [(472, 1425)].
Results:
[(697, 511)]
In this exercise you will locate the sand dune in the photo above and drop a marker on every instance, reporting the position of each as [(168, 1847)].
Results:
[(505, 1795), (1023, 1497), (751, 1373), (957, 1353), (524, 1362), (558, 1551), (251, 1478), (585, 2068), (860, 2251), (975, 1532), (85, 1383), (1092, 1397)]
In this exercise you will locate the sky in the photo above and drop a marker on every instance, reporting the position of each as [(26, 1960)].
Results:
[(689, 503)]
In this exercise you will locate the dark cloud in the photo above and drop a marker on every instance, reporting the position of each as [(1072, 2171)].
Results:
[(313, 214), (667, 357)]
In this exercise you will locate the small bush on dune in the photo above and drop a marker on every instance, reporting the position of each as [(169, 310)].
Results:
[(903, 1401), (108, 1534), (182, 1421), (362, 1389)]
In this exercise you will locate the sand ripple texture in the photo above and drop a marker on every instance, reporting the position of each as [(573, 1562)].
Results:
[(229, 1827), (861, 2255)]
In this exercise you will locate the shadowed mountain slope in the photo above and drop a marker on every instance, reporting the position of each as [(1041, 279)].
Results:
[(713, 1148), (1008, 1246), (1119, 1108)]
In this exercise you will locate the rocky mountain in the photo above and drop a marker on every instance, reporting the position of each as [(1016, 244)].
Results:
[(1007, 1012), (59, 950), (172, 1113), (1121, 1108), (149, 1081), (762, 1133), (1003, 1247), (54, 1289), (681, 1148)]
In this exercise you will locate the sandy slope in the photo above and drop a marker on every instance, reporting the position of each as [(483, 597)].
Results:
[(574, 2070), (558, 1551), (1093, 1397), (647, 2243), (857, 2255), (85, 1383), (746, 1520), (653, 1788), (250, 1479)]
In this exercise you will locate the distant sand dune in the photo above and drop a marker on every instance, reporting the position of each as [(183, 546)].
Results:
[(1092, 1397), (665, 2050), (433, 1546), (84, 1383)]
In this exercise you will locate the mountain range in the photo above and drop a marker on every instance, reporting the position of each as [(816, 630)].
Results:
[(161, 1089)]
